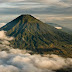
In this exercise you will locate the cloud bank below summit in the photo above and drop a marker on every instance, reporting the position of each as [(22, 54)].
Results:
[(18, 62), (15, 60), (4, 37)]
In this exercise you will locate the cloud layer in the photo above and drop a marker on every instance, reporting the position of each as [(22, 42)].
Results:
[(4, 37), (15, 60), (18, 62), (4, 40)]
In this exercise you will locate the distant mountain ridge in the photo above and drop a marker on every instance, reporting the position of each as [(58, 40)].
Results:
[(32, 34), (63, 28)]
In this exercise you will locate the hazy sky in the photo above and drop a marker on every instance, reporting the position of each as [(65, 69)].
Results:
[(54, 11)]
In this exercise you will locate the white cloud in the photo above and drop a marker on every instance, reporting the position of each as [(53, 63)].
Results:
[(58, 27), (15, 60), (8, 68), (48, 1), (4, 37), (51, 17), (59, 3), (2, 1), (2, 24), (10, 62)]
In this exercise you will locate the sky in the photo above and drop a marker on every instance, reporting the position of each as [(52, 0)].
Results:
[(49, 11)]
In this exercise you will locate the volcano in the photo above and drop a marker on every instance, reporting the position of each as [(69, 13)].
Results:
[(32, 34)]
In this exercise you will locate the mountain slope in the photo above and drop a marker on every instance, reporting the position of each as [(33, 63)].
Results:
[(32, 34)]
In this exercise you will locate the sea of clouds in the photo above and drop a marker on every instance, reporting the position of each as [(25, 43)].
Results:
[(15, 60)]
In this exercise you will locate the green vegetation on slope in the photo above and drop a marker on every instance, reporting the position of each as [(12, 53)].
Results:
[(32, 34)]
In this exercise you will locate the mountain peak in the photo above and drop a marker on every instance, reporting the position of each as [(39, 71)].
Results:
[(32, 34), (25, 21), (26, 16)]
